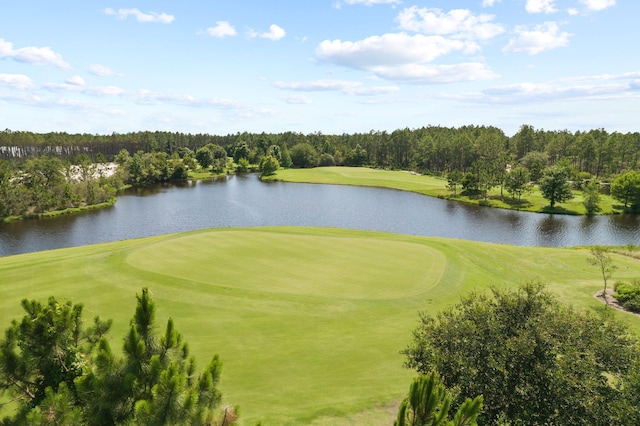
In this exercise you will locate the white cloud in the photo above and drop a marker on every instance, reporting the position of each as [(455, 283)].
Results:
[(540, 6), (76, 80), (342, 86), (102, 71), (87, 90), (405, 58), (458, 23), (275, 33), (32, 55), (16, 81), (606, 86), (21, 98), (543, 37), (597, 5), (389, 49), (489, 3), (427, 73), (161, 18), (372, 2), (148, 97), (297, 100), (572, 11), (548, 92), (221, 30), (603, 77), (338, 4)]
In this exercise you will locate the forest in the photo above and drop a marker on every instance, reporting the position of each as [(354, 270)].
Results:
[(472, 158), (432, 149)]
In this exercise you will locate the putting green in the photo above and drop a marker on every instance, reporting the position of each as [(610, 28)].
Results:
[(308, 322), (337, 267)]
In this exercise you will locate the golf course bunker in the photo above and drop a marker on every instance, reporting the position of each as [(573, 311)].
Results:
[(333, 265)]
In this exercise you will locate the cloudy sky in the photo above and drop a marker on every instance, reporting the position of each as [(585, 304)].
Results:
[(334, 66)]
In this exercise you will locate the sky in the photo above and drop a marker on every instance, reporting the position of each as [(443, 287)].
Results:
[(329, 66)]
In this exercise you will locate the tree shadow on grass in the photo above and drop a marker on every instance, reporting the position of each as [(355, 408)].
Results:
[(516, 204), (558, 210)]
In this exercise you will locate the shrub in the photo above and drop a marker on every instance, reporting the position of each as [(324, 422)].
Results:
[(628, 294)]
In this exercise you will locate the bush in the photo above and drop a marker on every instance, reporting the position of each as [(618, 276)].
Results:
[(628, 294), (303, 155), (535, 361), (326, 160)]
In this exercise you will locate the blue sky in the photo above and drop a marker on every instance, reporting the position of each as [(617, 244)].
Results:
[(333, 66)]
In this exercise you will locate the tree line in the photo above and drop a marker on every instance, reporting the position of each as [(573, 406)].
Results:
[(474, 159), (432, 149)]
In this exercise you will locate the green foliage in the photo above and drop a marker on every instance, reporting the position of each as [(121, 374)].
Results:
[(535, 162), (285, 158), (243, 165), (356, 156), (217, 151), (268, 165), (534, 361), (59, 373), (428, 404), (517, 182), (454, 179), (122, 158), (628, 294), (591, 196), (432, 149), (45, 350), (626, 189), (601, 259), (150, 167), (326, 160), (303, 155), (275, 152), (470, 183), (204, 157), (242, 150), (554, 185)]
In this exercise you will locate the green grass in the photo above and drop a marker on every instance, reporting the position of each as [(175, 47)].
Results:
[(437, 187), (309, 322)]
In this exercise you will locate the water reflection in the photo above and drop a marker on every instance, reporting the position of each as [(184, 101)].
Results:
[(240, 201)]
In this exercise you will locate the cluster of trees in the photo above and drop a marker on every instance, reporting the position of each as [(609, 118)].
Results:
[(533, 360), (433, 149), (57, 372), (152, 167), (46, 183), (474, 159)]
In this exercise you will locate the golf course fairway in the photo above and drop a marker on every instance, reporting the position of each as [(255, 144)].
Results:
[(308, 322)]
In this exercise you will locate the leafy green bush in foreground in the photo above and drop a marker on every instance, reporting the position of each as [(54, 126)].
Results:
[(534, 361)]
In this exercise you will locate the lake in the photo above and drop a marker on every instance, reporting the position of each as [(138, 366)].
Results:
[(243, 201)]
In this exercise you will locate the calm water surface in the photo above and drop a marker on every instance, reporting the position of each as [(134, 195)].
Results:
[(240, 201)]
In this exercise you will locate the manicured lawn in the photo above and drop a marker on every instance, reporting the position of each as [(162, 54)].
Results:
[(437, 187), (309, 322)]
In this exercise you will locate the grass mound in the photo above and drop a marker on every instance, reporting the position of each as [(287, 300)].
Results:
[(308, 322)]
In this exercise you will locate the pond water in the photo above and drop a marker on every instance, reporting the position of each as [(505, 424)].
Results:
[(241, 201)]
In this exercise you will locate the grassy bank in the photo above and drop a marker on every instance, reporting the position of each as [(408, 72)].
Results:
[(308, 321), (437, 187)]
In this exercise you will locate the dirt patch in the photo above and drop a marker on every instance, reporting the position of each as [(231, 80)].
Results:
[(613, 302)]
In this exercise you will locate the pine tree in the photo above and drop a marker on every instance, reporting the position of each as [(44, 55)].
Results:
[(59, 373), (428, 404)]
